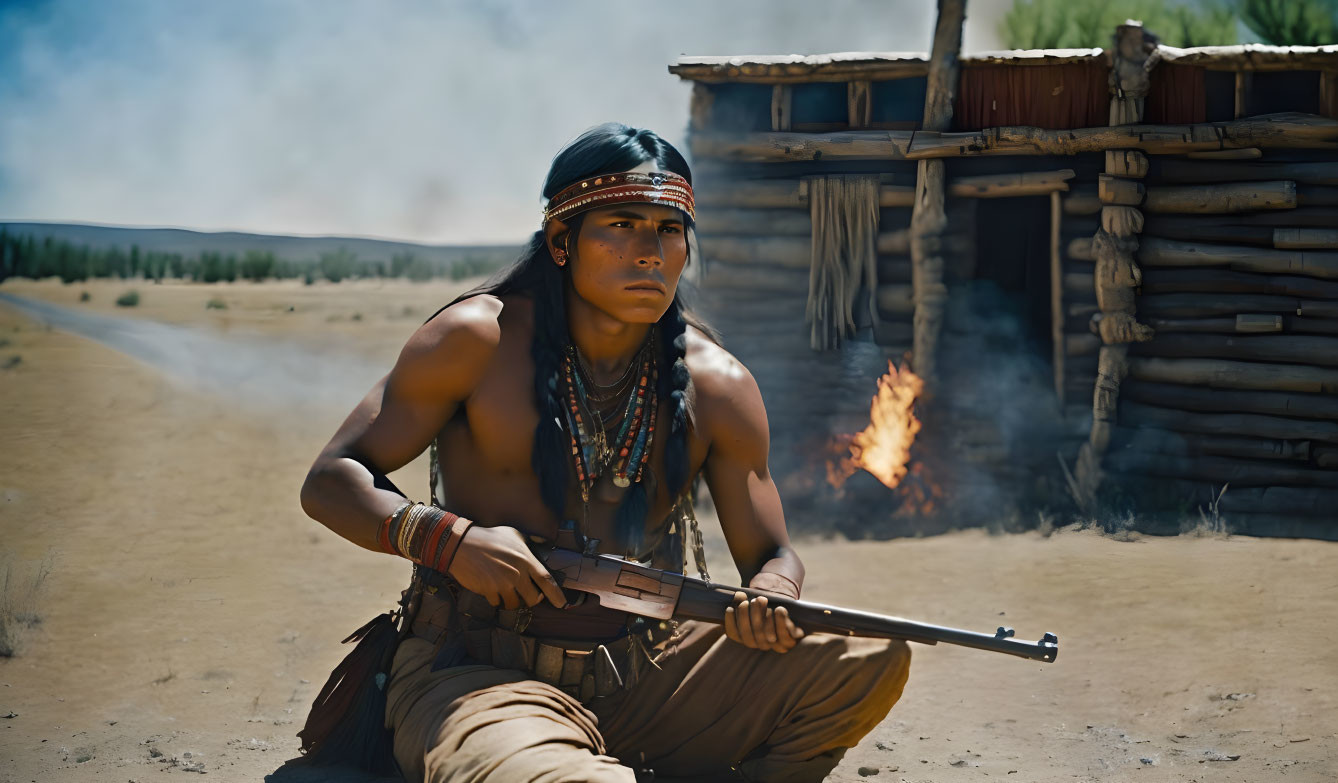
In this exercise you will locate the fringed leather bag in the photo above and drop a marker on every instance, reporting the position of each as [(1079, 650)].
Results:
[(347, 722)]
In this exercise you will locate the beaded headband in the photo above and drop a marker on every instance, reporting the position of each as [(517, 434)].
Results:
[(660, 187)]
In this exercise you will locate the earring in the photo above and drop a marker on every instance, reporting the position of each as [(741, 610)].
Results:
[(561, 258)]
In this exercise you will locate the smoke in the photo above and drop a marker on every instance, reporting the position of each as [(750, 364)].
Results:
[(1001, 420), (267, 376), (435, 123)]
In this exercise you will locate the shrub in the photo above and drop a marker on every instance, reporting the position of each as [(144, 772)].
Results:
[(85, 296), (338, 265), (420, 270), (216, 304), (128, 299), (1058, 24)]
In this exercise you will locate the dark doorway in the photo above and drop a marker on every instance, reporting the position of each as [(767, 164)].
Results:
[(1013, 263)]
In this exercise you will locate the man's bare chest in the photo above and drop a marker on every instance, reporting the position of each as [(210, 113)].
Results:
[(501, 417)]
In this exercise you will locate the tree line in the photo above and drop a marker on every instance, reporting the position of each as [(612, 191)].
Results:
[(1063, 24), (27, 255)]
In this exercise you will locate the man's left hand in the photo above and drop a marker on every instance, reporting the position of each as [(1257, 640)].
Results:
[(754, 624)]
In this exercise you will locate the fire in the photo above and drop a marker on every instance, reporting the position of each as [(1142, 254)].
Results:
[(883, 448)]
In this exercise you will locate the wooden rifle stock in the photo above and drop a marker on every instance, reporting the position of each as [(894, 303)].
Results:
[(630, 587)]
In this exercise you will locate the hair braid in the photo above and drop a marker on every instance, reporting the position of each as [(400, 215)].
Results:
[(546, 347), (677, 382)]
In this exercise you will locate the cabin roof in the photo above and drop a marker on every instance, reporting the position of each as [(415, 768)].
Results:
[(1251, 55), (820, 60), (839, 66)]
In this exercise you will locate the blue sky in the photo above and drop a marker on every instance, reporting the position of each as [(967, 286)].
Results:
[(428, 121)]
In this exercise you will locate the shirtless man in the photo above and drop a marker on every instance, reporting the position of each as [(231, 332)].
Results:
[(532, 390)]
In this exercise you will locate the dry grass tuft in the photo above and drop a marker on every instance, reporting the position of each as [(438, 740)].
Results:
[(20, 591), (1211, 522)]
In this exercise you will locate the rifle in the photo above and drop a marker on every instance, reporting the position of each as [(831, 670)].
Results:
[(626, 586)]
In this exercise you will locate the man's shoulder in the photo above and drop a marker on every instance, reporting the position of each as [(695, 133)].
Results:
[(465, 333), (476, 323), (719, 379)]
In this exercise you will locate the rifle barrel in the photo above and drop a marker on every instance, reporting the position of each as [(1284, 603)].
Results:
[(704, 601)]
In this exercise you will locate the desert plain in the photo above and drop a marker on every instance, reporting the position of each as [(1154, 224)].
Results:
[(173, 612)]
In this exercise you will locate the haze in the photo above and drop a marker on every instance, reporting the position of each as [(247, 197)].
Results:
[(432, 122)]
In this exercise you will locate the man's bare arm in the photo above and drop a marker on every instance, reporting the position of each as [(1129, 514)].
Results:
[(734, 420), (346, 488)]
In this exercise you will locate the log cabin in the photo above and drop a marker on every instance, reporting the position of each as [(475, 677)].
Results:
[(1126, 258)]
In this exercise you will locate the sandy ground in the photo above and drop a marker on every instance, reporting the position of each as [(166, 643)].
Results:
[(192, 611)]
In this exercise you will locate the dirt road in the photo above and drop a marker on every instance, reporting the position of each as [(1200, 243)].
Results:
[(192, 611)]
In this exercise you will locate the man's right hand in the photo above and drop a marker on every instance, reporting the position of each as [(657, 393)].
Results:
[(496, 563)]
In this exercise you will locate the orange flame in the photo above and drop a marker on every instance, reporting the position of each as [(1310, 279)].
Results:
[(883, 448)]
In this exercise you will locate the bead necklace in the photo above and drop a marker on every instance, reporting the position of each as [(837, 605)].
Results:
[(631, 412), (618, 388), (605, 403)]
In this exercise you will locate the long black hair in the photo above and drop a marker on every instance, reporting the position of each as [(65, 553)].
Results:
[(608, 148)]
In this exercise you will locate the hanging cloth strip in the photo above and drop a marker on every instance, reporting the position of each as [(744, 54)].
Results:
[(843, 274)]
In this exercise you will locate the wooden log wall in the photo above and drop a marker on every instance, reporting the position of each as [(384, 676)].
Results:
[(1115, 275), (1239, 383), (755, 289), (1194, 297), (757, 242)]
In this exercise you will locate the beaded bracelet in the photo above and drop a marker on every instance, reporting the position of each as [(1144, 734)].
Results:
[(427, 535)]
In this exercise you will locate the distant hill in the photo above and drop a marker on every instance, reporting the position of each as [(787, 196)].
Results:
[(192, 243)]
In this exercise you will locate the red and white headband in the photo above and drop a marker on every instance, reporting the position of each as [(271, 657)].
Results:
[(660, 187)]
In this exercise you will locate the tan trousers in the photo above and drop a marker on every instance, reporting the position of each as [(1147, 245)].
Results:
[(711, 705)]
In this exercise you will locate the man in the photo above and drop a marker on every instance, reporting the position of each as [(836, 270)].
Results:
[(572, 402)]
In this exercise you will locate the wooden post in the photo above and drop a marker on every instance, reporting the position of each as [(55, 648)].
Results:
[(1328, 93), (859, 104), (1242, 93), (927, 218), (1128, 74), (1057, 296), (1116, 276), (782, 99)]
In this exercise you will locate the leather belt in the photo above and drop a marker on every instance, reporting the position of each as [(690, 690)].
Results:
[(582, 669)]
